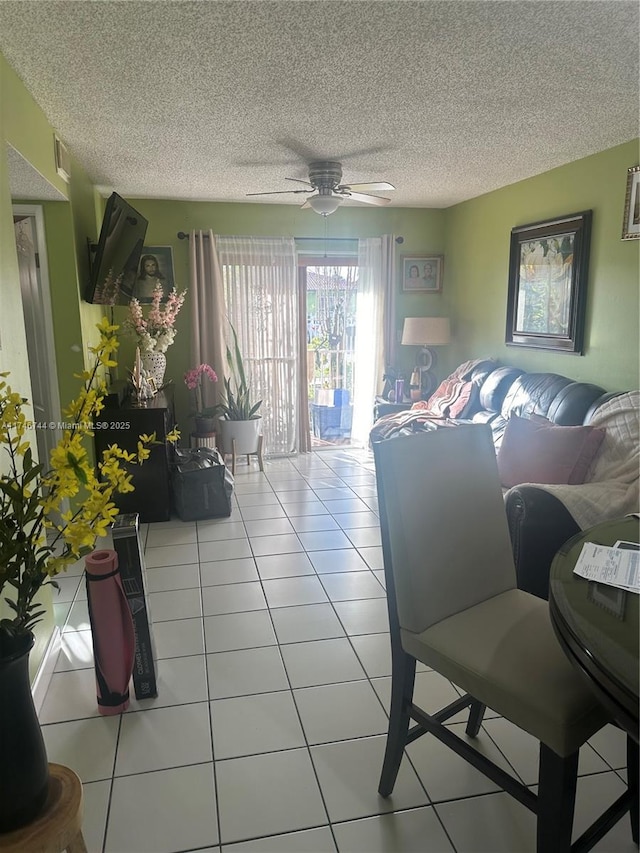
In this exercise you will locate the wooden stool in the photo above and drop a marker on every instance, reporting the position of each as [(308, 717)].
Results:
[(257, 453), (59, 825), (199, 439)]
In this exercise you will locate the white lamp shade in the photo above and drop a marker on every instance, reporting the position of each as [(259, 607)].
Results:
[(426, 331), (324, 204)]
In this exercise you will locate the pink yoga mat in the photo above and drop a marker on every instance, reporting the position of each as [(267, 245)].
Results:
[(112, 631)]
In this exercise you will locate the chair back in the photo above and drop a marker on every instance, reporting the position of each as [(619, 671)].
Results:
[(444, 529)]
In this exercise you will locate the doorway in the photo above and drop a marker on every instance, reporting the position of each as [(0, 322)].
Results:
[(28, 223), (331, 287)]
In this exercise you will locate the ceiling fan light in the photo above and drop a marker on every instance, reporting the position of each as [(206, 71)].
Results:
[(324, 204)]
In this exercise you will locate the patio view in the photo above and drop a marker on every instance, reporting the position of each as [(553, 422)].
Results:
[(331, 334)]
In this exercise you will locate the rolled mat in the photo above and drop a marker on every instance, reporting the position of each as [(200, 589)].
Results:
[(112, 631)]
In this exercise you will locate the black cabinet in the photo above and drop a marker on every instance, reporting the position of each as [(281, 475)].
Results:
[(152, 480)]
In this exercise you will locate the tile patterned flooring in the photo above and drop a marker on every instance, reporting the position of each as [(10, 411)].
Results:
[(269, 727)]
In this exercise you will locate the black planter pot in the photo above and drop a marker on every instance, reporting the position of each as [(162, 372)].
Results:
[(24, 770), (205, 425)]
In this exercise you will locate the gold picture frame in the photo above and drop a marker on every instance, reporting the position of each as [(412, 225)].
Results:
[(631, 220), (422, 273)]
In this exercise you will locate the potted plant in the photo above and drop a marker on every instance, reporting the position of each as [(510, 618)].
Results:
[(239, 421), (39, 538), (204, 415)]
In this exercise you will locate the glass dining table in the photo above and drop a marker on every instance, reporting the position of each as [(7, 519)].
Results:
[(597, 624)]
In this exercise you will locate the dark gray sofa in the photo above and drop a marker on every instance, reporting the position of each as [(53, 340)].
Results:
[(539, 523)]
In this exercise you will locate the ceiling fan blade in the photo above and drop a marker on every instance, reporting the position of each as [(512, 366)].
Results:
[(298, 181), (367, 199), (373, 186), (306, 204), (281, 192)]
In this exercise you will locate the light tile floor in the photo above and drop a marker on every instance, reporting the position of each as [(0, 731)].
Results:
[(274, 680)]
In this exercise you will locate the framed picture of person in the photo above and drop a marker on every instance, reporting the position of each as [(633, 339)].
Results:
[(155, 266), (422, 273)]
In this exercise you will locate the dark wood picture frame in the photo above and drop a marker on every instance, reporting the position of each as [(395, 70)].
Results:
[(547, 294)]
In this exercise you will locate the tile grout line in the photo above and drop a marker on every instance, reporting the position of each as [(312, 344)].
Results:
[(209, 707)]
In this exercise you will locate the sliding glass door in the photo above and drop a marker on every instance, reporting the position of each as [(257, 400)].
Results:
[(330, 287)]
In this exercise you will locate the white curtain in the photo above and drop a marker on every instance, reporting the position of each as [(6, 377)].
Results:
[(388, 260), (373, 286), (261, 297)]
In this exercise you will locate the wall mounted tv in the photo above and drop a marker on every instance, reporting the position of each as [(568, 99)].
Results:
[(114, 261)]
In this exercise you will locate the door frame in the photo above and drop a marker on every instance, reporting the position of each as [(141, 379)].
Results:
[(35, 212)]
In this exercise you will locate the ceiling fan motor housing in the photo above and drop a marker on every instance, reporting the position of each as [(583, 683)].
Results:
[(325, 175)]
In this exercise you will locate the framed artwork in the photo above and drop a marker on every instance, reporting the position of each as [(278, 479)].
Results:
[(631, 221), (155, 265), (548, 269), (422, 273)]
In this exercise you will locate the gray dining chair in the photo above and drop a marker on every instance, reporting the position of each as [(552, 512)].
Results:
[(454, 605)]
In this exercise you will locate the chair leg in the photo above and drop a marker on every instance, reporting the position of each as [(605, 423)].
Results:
[(632, 783), (233, 456), (557, 782), (476, 715), (402, 680)]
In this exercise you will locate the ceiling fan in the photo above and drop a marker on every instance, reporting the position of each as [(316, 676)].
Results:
[(324, 181)]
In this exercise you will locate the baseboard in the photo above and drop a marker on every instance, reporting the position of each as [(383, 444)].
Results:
[(45, 670)]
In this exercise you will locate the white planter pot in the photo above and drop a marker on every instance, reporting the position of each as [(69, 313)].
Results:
[(245, 434)]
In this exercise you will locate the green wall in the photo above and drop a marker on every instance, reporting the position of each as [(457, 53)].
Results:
[(67, 223), (477, 259), (422, 230), (474, 237), (13, 344)]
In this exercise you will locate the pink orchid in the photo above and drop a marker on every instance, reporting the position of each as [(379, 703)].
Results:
[(193, 380)]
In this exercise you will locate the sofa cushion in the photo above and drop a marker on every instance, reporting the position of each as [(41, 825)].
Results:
[(534, 450)]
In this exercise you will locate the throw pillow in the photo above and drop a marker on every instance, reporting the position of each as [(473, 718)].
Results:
[(534, 450)]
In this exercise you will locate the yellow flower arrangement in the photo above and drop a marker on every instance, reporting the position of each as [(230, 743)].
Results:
[(39, 536)]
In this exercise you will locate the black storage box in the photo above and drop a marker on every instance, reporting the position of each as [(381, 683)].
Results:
[(126, 544), (202, 485)]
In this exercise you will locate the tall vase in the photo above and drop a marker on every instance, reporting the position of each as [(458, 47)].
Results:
[(155, 363), (24, 770)]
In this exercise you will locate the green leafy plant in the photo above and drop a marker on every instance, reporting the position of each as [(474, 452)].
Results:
[(235, 402), (39, 536)]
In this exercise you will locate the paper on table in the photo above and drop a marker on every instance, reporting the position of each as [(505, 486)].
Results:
[(612, 566)]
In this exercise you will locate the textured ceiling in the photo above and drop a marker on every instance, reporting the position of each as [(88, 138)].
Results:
[(211, 100)]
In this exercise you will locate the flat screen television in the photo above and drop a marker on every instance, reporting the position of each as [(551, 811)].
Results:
[(114, 263)]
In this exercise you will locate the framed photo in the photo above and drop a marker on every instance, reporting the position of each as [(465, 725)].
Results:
[(631, 221), (155, 265), (547, 295), (422, 273)]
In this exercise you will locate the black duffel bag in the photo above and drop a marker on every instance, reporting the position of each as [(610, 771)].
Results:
[(202, 485)]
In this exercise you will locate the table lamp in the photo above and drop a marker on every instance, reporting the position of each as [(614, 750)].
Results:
[(425, 332)]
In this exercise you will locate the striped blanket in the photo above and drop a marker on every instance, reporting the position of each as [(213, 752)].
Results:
[(611, 488), (451, 401)]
